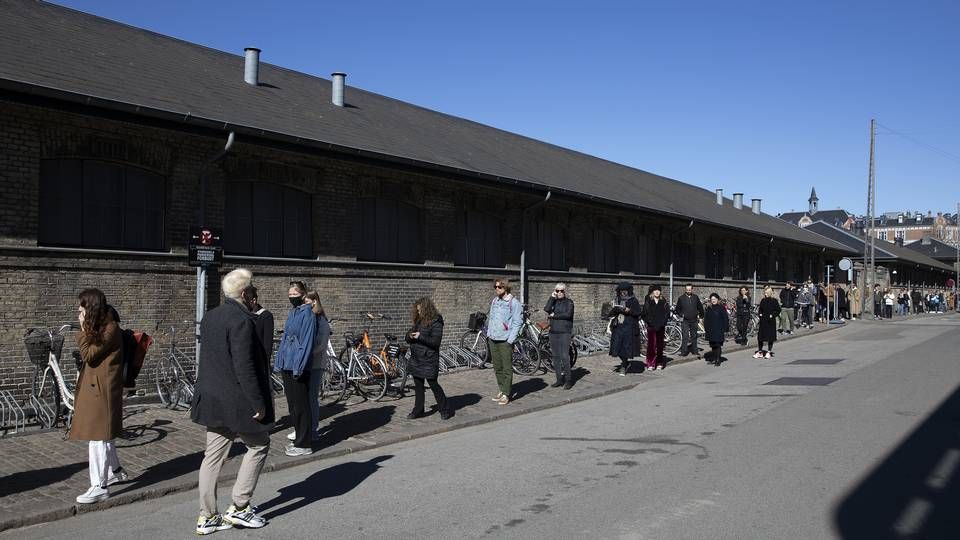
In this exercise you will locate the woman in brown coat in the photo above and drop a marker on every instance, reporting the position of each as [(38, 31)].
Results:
[(98, 407)]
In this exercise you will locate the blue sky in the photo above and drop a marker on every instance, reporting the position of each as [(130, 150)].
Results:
[(767, 98)]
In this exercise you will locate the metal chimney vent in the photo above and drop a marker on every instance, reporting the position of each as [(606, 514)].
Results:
[(251, 66), (338, 79), (720, 197), (738, 200), (755, 206)]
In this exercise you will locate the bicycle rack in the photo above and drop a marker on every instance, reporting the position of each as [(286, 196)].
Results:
[(12, 415), (43, 411)]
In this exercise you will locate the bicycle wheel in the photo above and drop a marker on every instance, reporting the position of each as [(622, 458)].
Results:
[(574, 352), (344, 360), (372, 376), (673, 339), (45, 398), (753, 325), (526, 357), (399, 382), (334, 382), (276, 383), (475, 342), (546, 356), (167, 380)]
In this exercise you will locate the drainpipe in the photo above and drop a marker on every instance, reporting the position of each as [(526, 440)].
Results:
[(523, 247), (201, 304)]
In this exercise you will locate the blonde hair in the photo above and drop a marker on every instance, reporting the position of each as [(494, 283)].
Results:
[(235, 282), (768, 291), (316, 307)]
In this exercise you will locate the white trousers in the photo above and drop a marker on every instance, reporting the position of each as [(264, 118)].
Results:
[(103, 462)]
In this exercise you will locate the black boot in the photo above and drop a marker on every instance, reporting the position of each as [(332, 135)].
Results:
[(415, 414), (559, 382), (567, 381)]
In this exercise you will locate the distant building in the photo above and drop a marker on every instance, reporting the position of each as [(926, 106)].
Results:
[(906, 227), (839, 218)]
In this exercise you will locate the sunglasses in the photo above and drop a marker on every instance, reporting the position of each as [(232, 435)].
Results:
[(498, 286), (559, 290)]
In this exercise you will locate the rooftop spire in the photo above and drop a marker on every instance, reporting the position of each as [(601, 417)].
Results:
[(813, 201)]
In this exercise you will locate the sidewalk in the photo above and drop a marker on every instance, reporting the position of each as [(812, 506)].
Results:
[(41, 474)]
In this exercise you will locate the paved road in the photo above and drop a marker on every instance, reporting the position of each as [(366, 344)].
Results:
[(853, 434)]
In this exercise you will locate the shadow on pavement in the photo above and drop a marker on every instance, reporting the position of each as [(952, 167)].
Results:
[(330, 482), (465, 400), (29, 480), (578, 373), (914, 492), (352, 424), (527, 386)]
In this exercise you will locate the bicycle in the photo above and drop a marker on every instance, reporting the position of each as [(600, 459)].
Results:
[(332, 372), (174, 385), (474, 341), (51, 397), (363, 370)]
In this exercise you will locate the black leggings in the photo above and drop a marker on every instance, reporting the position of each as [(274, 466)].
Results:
[(760, 345), (418, 394)]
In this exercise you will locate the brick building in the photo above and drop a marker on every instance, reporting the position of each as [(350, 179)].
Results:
[(106, 130)]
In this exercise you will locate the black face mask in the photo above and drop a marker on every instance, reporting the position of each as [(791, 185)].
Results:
[(297, 301)]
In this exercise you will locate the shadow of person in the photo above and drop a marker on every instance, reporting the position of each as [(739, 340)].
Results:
[(343, 427), (30, 480), (578, 373), (527, 386), (330, 482), (455, 403)]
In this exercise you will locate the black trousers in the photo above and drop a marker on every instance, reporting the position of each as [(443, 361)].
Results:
[(743, 321), (689, 334), (297, 391), (716, 351), (418, 394)]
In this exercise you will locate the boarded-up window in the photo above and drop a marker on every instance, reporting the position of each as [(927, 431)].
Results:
[(98, 204), (546, 245), (267, 220), (389, 231), (604, 252), (714, 258), (478, 240)]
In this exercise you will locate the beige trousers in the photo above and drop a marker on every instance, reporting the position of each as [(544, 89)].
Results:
[(218, 446)]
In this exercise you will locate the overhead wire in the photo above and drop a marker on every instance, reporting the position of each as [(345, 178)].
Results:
[(918, 142)]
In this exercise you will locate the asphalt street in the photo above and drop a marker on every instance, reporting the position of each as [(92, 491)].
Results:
[(849, 434)]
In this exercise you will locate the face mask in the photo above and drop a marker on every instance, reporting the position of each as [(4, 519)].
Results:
[(296, 301)]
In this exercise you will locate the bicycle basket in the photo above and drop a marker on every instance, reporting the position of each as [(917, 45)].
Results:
[(39, 346), (477, 321)]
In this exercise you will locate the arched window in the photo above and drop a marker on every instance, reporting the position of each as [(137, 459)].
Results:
[(267, 220), (100, 204)]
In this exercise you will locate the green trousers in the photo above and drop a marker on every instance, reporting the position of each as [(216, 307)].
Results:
[(501, 356)]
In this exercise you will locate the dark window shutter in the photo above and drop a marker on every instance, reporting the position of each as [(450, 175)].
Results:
[(267, 220), (408, 237), (297, 224), (238, 219), (461, 246), (61, 196), (492, 248), (387, 233), (103, 197), (368, 230), (143, 210)]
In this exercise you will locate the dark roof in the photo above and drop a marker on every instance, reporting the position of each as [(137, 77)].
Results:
[(882, 250), (837, 217), (936, 249), (65, 54)]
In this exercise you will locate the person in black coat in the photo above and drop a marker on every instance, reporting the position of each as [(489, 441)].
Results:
[(424, 364), (232, 399), (744, 307), (769, 310), (690, 308), (625, 337), (655, 315), (715, 323), (559, 309)]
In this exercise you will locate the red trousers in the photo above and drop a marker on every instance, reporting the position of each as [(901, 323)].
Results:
[(655, 340)]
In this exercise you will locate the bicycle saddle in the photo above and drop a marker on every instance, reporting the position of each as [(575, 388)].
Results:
[(390, 337)]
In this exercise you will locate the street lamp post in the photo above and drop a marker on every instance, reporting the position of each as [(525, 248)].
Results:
[(523, 247)]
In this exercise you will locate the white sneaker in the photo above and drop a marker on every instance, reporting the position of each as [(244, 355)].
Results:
[(208, 525), (244, 517), (94, 494), (292, 436), (117, 477), (499, 395), (295, 451)]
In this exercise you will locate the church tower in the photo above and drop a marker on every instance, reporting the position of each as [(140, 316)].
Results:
[(813, 201)]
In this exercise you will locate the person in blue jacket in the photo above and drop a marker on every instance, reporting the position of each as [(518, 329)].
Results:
[(294, 364)]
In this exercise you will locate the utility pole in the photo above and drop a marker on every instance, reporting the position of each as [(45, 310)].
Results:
[(956, 269), (869, 247)]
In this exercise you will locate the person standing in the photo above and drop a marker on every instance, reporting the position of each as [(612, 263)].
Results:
[(232, 399), (788, 297), (821, 303), (769, 310), (294, 361), (424, 365), (625, 336), (805, 301), (744, 306), (98, 402), (856, 307), (877, 303), (690, 308), (655, 315), (715, 323), (559, 310), (917, 299), (321, 337), (889, 299), (843, 303), (503, 327), (262, 321)]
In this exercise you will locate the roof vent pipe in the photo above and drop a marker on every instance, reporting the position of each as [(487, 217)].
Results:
[(720, 197), (755, 206), (251, 66), (338, 79), (738, 200)]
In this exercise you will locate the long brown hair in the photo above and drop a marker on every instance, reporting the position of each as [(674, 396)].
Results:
[(316, 307), (96, 314), (427, 312)]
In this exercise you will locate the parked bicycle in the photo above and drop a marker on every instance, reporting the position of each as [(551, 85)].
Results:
[(474, 340), (526, 351), (51, 395), (175, 385)]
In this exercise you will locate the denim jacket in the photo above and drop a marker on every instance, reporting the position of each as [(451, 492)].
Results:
[(297, 343), (505, 319)]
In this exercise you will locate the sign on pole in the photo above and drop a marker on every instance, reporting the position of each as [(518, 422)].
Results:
[(205, 247)]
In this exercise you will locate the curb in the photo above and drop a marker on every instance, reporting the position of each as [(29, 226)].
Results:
[(188, 485)]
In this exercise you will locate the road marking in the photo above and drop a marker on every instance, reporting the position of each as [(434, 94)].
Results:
[(944, 470), (802, 381), (913, 517), (816, 362)]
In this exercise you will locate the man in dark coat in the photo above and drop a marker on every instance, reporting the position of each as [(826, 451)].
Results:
[(232, 399), (715, 323), (690, 308)]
